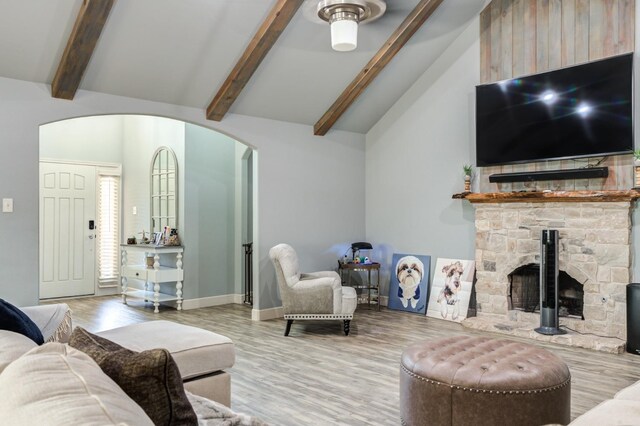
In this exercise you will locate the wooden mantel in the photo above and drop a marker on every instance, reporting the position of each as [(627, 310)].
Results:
[(550, 196)]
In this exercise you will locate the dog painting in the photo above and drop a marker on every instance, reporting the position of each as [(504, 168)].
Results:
[(451, 289), (409, 282)]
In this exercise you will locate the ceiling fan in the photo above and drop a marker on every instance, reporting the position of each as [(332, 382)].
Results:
[(344, 16)]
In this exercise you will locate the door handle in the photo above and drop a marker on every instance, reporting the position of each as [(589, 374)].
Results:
[(91, 237)]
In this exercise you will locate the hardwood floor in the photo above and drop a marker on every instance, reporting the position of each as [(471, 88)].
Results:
[(319, 376)]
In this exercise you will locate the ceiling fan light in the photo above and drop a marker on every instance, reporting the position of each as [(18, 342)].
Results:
[(344, 35)]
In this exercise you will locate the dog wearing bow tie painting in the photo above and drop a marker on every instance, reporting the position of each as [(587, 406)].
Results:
[(409, 271)]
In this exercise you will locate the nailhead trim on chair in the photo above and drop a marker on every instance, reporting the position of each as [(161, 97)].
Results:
[(424, 379), (319, 316)]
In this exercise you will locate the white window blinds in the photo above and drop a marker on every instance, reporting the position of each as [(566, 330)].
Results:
[(108, 229)]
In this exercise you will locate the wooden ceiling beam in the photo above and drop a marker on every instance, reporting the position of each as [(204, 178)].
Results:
[(86, 31), (391, 47), (256, 51)]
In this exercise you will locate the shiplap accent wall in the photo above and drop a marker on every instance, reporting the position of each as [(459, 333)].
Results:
[(522, 37)]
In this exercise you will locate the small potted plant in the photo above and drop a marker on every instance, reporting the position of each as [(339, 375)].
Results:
[(636, 163), (468, 171)]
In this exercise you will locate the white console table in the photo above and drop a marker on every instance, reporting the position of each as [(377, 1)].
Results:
[(152, 275)]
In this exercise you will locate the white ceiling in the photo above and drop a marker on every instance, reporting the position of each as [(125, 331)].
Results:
[(181, 51)]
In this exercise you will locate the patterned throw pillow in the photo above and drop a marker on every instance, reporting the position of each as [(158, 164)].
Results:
[(13, 319), (151, 378)]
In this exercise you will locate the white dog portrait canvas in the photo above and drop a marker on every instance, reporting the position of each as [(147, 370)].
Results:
[(451, 289), (409, 282)]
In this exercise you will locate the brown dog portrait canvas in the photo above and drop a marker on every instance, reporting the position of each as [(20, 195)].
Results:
[(451, 289)]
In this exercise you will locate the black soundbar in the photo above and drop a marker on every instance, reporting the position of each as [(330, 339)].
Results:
[(584, 173)]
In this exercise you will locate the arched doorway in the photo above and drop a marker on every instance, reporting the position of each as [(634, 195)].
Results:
[(213, 198)]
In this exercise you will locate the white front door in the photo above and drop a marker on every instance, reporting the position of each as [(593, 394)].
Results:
[(67, 245)]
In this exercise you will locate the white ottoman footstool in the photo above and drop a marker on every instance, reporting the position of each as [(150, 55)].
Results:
[(201, 355)]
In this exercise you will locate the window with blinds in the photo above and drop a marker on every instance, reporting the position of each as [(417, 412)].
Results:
[(108, 229)]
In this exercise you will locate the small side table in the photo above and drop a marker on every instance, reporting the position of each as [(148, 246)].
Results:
[(345, 269)]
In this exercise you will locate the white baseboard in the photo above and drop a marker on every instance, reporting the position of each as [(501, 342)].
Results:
[(267, 314), (205, 302)]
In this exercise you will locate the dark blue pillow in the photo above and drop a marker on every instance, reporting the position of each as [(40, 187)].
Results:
[(13, 319)]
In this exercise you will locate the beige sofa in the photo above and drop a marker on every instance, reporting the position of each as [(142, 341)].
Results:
[(55, 384), (622, 409)]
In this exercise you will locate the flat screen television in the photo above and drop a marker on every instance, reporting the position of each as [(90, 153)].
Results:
[(580, 111)]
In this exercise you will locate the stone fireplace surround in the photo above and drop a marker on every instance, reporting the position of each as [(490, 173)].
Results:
[(594, 228)]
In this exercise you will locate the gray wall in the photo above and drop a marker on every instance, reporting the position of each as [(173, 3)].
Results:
[(210, 212), (92, 139), (311, 189), (414, 162)]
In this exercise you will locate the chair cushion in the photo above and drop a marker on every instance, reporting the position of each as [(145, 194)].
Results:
[(151, 378), (196, 351), (13, 319), (13, 346), (55, 384)]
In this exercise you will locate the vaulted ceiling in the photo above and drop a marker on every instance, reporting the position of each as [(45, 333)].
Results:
[(181, 52)]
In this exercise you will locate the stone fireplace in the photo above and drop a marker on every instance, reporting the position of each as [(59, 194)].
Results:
[(594, 256)]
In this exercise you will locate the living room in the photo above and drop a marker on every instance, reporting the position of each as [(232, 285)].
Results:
[(390, 184)]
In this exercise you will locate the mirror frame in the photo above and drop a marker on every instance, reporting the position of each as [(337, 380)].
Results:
[(171, 157)]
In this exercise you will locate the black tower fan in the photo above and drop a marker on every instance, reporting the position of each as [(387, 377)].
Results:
[(549, 323), (633, 318)]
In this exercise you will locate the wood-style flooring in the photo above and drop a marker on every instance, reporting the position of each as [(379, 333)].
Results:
[(319, 376)]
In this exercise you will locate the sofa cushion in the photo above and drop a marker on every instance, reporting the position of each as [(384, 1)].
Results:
[(59, 385), (630, 393), (13, 346), (196, 351), (611, 412), (151, 378), (13, 319)]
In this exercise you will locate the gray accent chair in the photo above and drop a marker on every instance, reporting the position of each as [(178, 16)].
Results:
[(311, 296)]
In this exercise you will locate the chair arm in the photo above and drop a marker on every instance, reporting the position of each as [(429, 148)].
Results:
[(330, 277), (320, 294), (320, 274), (309, 297), (54, 321)]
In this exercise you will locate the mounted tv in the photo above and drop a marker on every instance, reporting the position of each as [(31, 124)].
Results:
[(580, 111)]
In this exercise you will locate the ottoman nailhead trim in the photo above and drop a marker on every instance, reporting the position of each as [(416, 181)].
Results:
[(319, 316), (424, 379)]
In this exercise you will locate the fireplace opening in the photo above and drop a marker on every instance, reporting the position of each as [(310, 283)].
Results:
[(524, 292)]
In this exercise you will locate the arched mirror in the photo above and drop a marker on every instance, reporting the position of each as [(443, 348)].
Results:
[(164, 190)]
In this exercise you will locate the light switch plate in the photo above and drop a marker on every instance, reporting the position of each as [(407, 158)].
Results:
[(135, 210), (7, 205)]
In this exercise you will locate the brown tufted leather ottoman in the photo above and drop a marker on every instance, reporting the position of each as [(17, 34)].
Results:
[(480, 381)]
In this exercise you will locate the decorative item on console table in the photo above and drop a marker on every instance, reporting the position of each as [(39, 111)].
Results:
[(173, 239), (636, 167), (468, 171)]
